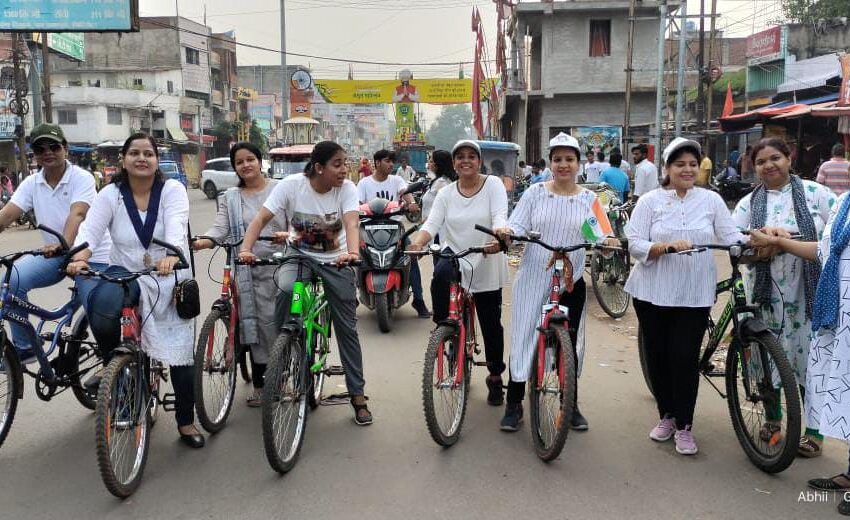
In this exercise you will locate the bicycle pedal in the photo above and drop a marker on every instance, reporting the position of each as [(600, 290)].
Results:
[(480, 363), (169, 402), (336, 399), (334, 370)]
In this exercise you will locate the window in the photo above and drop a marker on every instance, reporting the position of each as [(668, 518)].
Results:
[(137, 83), (170, 87), (67, 116), (600, 38), (193, 56), (113, 116), (75, 83), (94, 83)]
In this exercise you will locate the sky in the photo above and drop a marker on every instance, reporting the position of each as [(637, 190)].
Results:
[(411, 31)]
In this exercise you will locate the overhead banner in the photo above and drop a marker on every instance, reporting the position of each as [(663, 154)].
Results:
[(69, 15), (72, 45), (433, 91), (8, 120)]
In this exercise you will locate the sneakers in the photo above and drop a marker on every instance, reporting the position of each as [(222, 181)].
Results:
[(577, 420), (512, 418), (495, 395), (685, 442), (421, 309), (255, 398), (664, 430)]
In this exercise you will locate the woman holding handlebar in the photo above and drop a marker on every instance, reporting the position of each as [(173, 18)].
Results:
[(673, 294), (137, 207)]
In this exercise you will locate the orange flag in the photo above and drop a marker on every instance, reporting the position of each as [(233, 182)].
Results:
[(728, 105)]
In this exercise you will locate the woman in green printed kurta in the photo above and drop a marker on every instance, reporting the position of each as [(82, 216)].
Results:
[(786, 289)]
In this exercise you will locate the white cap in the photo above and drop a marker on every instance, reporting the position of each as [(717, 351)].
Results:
[(563, 140), (677, 143), (466, 143)]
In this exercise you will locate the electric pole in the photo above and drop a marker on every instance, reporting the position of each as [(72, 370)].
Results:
[(629, 54), (711, 38), (680, 78), (48, 104), (21, 105), (659, 86), (700, 68), (284, 77)]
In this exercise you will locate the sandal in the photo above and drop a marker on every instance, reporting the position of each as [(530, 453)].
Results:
[(839, 482), (255, 399), (771, 433), (809, 447), (362, 415)]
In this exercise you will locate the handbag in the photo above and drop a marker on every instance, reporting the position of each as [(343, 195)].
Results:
[(187, 298)]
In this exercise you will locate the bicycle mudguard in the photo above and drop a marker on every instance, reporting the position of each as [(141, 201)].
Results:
[(381, 282), (751, 327), (558, 317)]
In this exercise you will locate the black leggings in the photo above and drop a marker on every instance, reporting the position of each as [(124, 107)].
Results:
[(183, 382), (672, 337), (258, 373), (574, 301)]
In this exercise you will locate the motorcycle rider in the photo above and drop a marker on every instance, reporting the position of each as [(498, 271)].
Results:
[(393, 187)]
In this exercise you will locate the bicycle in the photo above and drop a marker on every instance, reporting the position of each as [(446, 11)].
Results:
[(298, 363), (218, 351), (76, 356), (756, 371), (609, 270), (128, 398)]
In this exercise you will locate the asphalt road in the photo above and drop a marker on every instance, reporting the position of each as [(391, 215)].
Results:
[(393, 469)]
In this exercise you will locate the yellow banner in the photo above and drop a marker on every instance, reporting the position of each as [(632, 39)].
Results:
[(435, 91)]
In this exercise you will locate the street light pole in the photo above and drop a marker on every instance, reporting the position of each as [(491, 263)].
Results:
[(680, 79), (659, 86), (284, 77)]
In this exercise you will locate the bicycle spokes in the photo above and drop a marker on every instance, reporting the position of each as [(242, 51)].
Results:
[(126, 425)]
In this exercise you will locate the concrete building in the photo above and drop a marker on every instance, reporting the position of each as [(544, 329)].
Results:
[(567, 69), (223, 68)]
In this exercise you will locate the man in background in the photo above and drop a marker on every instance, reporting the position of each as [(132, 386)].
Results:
[(835, 173)]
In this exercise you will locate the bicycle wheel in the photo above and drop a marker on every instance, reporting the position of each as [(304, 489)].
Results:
[(443, 400), (321, 347), (122, 426), (215, 371), (83, 358), (284, 402), (552, 401), (608, 277), (11, 380), (764, 403), (245, 365), (644, 363)]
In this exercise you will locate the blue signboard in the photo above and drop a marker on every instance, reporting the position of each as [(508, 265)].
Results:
[(69, 15)]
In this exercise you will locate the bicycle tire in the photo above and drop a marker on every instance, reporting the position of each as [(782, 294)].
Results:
[(78, 353), (548, 447), (123, 413), (436, 347), (245, 365), (644, 362), (384, 311), (11, 380), (285, 360), (321, 346), (768, 348), (215, 380), (609, 288)]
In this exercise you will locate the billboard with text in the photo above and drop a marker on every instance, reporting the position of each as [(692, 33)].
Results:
[(69, 15)]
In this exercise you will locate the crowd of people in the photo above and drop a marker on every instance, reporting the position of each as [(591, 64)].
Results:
[(801, 293)]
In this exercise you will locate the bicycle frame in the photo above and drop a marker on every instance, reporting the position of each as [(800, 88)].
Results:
[(461, 316), (308, 302), (551, 311)]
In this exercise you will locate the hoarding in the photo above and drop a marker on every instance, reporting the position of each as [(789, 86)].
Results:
[(8, 120), (434, 91), (598, 138), (72, 45), (765, 46), (69, 15)]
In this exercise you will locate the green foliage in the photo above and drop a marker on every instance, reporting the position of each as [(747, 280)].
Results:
[(453, 124), (808, 11), (257, 138)]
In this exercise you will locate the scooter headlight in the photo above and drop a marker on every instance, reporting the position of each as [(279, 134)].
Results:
[(382, 259)]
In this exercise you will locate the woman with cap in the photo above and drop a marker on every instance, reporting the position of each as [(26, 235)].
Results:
[(472, 199), (673, 294), (556, 209), (784, 285)]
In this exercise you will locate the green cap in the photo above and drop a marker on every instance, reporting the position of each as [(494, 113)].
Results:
[(47, 131)]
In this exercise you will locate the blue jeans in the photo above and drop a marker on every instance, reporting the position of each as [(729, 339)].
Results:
[(32, 272), (86, 285), (102, 302)]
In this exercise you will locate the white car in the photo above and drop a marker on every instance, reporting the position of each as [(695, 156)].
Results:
[(218, 175)]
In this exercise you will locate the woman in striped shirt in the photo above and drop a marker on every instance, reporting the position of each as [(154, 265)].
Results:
[(556, 209), (673, 294)]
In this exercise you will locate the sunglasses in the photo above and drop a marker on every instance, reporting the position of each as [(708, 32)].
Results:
[(40, 148)]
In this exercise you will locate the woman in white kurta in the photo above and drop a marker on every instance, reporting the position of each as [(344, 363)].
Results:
[(786, 311), (828, 376), (556, 209), (165, 336)]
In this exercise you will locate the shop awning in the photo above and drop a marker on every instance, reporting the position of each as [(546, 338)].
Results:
[(804, 110), (177, 134), (810, 73), (781, 110), (206, 139)]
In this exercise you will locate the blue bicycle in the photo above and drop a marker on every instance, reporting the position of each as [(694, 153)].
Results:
[(76, 356)]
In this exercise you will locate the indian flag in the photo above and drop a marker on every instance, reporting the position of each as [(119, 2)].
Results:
[(597, 225)]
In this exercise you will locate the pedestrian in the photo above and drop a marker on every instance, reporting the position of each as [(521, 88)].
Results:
[(365, 169), (835, 173), (472, 199), (784, 285), (405, 171), (321, 207), (556, 209), (646, 174), (745, 164), (734, 156), (444, 174), (538, 173), (615, 177), (140, 189), (525, 170), (592, 169), (673, 294), (544, 170), (624, 164), (59, 195), (706, 168), (828, 403), (392, 187), (255, 286)]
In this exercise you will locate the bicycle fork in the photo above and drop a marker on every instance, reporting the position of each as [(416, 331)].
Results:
[(543, 326)]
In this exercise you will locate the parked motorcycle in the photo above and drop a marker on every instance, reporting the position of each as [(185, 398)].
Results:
[(732, 189), (384, 275)]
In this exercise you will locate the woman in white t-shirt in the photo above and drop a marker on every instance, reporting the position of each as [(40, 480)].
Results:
[(321, 208), (472, 199)]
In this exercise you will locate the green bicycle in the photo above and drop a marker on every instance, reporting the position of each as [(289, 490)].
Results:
[(761, 389), (298, 364)]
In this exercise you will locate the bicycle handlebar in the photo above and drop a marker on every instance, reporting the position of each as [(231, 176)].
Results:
[(554, 249), (220, 243), (56, 234)]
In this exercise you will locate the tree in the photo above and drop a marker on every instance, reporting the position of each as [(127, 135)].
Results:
[(257, 138), (453, 124), (808, 11)]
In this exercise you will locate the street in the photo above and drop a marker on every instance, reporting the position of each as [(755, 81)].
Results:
[(393, 469)]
